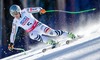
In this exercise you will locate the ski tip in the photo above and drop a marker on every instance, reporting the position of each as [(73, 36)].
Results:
[(80, 36)]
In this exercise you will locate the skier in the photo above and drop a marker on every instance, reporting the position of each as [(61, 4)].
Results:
[(35, 29)]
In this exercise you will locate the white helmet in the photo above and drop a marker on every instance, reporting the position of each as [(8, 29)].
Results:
[(14, 9)]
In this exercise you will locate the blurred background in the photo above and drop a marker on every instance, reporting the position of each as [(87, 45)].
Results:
[(56, 20)]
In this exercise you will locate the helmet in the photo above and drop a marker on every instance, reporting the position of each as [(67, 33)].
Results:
[(14, 9)]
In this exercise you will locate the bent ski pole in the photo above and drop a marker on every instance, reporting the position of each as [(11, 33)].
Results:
[(71, 12), (19, 49)]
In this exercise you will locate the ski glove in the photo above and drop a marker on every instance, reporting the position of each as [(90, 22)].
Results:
[(11, 46), (42, 11)]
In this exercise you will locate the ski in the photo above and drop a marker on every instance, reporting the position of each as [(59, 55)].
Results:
[(61, 43), (70, 41), (51, 47)]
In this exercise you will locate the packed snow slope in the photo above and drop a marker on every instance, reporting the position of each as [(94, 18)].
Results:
[(86, 48)]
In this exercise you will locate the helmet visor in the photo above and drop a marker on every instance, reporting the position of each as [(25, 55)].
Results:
[(14, 13)]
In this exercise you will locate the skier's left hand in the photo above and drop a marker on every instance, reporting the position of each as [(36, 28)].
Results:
[(42, 11), (11, 46)]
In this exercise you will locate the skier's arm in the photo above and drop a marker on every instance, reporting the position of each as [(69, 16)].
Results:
[(36, 10), (13, 33), (12, 36)]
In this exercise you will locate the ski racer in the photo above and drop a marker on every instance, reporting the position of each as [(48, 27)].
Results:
[(35, 29)]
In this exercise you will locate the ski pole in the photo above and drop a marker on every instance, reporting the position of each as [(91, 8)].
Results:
[(19, 49), (71, 12)]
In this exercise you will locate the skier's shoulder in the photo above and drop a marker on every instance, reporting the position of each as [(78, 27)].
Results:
[(24, 11)]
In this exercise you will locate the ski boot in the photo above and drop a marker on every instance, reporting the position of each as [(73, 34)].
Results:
[(52, 42), (71, 35)]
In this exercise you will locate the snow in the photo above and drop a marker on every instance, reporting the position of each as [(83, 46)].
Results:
[(86, 48)]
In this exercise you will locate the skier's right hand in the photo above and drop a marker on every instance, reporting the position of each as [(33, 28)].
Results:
[(42, 11), (11, 46)]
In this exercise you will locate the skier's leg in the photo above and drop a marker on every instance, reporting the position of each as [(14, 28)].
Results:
[(36, 36), (63, 34), (49, 41), (45, 40), (51, 32)]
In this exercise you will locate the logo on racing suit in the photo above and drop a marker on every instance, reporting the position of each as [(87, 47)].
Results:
[(32, 9), (24, 20)]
